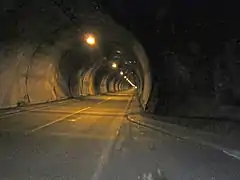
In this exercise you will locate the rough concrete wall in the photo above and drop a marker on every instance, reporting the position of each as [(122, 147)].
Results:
[(88, 86), (12, 81), (26, 75), (27, 78), (96, 78), (147, 82), (80, 78), (117, 86), (43, 81), (112, 85), (103, 86)]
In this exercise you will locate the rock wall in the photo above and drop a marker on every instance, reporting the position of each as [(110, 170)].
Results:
[(28, 78)]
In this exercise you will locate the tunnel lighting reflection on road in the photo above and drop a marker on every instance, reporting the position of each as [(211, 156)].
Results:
[(90, 39), (114, 65)]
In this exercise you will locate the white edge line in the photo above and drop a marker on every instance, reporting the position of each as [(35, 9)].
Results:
[(235, 154), (105, 154), (53, 122)]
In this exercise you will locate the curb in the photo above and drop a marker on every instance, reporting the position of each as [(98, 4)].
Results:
[(230, 152)]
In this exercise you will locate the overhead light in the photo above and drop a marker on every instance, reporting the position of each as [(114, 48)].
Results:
[(121, 73), (114, 65), (90, 39), (125, 77), (133, 85), (118, 51)]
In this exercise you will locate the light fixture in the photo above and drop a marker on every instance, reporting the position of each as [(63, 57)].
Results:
[(114, 65), (90, 39)]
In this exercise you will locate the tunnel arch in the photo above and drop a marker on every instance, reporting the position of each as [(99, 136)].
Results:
[(50, 61)]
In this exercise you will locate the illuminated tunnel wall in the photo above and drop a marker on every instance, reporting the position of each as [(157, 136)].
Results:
[(48, 60)]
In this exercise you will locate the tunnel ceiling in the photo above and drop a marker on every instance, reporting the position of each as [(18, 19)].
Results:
[(61, 25)]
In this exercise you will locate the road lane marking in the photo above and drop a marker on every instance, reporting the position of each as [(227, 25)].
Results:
[(72, 120), (233, 153), (5, 115), (101, 102), (75, 119), (230, 152), (110, 145), (104, 101), (104, 158), (58, 111), (80, 135), (53, 122)]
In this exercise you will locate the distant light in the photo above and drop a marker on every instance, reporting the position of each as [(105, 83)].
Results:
[(90, 39), (118, 51), (121, 73), (114, 65), (125, 77), (135, 87)]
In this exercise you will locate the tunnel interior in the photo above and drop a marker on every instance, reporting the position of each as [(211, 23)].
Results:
[(45, 55), (182, 59)]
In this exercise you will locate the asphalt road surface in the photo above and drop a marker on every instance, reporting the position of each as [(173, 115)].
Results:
[(91, 139)]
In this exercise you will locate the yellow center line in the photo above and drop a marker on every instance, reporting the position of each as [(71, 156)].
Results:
[(74, 120), (104, 101), (55, 121)]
